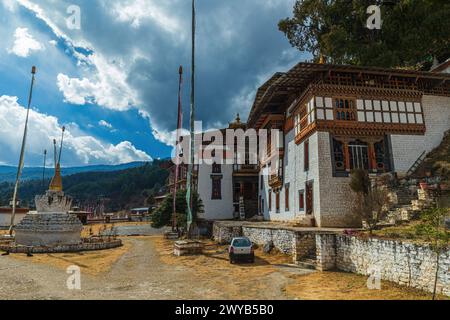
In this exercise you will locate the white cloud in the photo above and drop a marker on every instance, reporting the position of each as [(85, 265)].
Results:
[(108, 89), (105, 124), (53, 42), (137, 11), (78, 146), (24, 43)]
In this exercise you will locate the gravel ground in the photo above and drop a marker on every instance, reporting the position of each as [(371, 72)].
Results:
[(138, 274)]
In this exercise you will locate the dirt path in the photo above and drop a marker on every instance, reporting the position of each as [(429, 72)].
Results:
[(147, 269), (138, 274)]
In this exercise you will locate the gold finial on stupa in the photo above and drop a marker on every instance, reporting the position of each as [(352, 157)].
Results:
[(56, 183), (321, 59)]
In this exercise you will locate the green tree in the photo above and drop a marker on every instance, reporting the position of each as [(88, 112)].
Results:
[(413, 31), (163, 215)]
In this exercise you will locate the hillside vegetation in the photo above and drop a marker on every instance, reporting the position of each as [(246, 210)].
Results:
[(122, 189)]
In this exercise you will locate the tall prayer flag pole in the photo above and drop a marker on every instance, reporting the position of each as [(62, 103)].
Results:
[(192, 158), (177, 150), (22, 154), (43, 170)]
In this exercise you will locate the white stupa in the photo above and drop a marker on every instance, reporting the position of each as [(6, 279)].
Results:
[(52, 224)]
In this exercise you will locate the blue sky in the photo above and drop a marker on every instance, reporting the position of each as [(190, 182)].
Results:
[(113, 82)]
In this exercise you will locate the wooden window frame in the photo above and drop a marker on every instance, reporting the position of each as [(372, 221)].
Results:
[(306, 156), (301, 200), (270, 200), (286, 198), (352, 109), (277, 201), (216, 190)]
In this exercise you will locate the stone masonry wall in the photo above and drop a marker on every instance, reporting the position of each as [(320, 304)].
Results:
[(404, 263), (282, 239), (295, 243)]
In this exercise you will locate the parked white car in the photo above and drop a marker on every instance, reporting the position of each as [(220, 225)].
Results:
[(241, 249)]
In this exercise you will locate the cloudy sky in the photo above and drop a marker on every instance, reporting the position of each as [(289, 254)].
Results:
[(113, 82)]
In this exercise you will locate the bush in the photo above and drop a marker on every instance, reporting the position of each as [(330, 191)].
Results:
[(163, 215)]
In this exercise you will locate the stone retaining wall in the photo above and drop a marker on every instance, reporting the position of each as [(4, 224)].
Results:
[(404, 263), (296, 243), (85, 246)]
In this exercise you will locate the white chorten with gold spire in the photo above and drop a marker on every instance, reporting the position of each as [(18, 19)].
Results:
[(52, 225)]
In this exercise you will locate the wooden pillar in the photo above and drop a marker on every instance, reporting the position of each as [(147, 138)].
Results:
[(372, 157), (346, 156)]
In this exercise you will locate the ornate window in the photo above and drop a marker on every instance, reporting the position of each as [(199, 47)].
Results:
[(339, 156), (344, 109)]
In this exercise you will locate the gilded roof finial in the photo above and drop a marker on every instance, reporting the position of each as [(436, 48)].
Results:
[(322, 59), (56, 183)]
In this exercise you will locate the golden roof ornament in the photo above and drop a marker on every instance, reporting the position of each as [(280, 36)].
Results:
[(56, 183), (237, 124)]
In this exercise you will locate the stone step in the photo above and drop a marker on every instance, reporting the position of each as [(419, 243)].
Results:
[(307, 264)]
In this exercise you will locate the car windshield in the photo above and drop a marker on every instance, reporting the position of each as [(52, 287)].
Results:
[(241, 243)]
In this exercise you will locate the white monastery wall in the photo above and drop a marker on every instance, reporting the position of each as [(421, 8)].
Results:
[(221, 209), (407, 149)]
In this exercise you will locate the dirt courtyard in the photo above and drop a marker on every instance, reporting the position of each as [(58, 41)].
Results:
[(145, 268)]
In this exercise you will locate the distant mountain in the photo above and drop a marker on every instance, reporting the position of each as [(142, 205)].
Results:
[(119, 189), (8, 173)]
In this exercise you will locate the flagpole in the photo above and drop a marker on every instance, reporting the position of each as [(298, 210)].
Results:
[(177, 150), (192, 140), (43, 171), (22, 154)]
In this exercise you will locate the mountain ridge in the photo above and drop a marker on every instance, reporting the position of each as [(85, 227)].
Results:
[(8, 173)]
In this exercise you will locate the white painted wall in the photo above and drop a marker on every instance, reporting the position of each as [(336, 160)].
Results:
[(296, 177), (216, 209), (5, 219), (406, 149)]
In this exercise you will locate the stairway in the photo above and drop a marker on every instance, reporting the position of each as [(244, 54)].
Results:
[(307, 263), (417, 164), (406, 207)]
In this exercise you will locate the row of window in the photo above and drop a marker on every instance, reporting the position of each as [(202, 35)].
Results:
[(301, 200), (350, 109)]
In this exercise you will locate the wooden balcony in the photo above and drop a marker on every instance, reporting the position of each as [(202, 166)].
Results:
[(276, 181)]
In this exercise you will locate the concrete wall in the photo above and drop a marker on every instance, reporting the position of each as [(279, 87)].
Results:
[(404, 263), (406, 149), (216, 209)]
